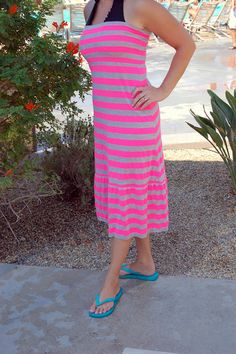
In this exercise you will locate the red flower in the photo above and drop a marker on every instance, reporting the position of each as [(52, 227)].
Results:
[(30, 106), (72, 48), (75, 51), (81, 59), (8, 173), (55, 24), (13, 9), (69, 47), (63, 24)]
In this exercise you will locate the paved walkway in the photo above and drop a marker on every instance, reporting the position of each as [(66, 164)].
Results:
[(211, 67), (43, 310)]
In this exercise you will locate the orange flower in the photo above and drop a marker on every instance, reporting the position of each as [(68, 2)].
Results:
[(30, 106), (55, 24), (63, 24), (13, 9), (8, 173), (72, 48)]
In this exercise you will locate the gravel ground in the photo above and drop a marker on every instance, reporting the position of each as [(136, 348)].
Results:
[(201, 240)]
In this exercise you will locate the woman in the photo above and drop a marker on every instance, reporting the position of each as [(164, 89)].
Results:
[(130, 184), (232, 24)]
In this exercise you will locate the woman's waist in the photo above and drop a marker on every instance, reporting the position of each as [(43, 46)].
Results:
[(123, 81)]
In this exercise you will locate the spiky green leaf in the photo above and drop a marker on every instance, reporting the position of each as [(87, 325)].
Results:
[(201, 131), (221, 108), (220, 124), (204, 120), (232, 101), (215, 137)]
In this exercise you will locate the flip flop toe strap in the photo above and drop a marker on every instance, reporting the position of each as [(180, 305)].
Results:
[(98, 302)]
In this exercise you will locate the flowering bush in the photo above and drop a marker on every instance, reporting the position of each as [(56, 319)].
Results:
[(38, 75)]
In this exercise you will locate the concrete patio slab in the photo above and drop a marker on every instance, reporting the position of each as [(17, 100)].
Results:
[(45, 310)]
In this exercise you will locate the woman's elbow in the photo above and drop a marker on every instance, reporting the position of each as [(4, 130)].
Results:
[(188, 45)]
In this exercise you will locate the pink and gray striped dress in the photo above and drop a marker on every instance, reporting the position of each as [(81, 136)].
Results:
[(130, 183)]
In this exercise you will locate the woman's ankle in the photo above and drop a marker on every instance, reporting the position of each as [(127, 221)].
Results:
[(145, 261)]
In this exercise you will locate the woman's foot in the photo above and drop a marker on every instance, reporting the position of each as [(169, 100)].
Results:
[(108, 290), (146, 268)]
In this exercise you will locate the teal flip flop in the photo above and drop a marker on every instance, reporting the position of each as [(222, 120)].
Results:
[(109, 312), (132, 274)]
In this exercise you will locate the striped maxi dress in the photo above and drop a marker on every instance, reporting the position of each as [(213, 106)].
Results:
[(130, 182)]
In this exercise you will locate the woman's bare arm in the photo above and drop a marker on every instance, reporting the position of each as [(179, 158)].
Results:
[(158, 20)]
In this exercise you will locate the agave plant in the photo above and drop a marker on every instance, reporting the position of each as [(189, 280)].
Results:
[(220, 129)]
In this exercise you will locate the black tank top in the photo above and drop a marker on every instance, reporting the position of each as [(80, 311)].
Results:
[(116, 12)]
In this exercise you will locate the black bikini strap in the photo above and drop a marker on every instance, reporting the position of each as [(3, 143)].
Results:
[(117, 11)]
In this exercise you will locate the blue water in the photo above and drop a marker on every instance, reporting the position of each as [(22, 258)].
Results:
[(66, 15)]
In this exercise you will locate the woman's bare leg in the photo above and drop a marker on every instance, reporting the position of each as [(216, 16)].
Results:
[(144, 262), (119, 252)]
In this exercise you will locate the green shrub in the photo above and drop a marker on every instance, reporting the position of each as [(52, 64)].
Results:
[(38, 75), (220, 129), (73, 161)]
